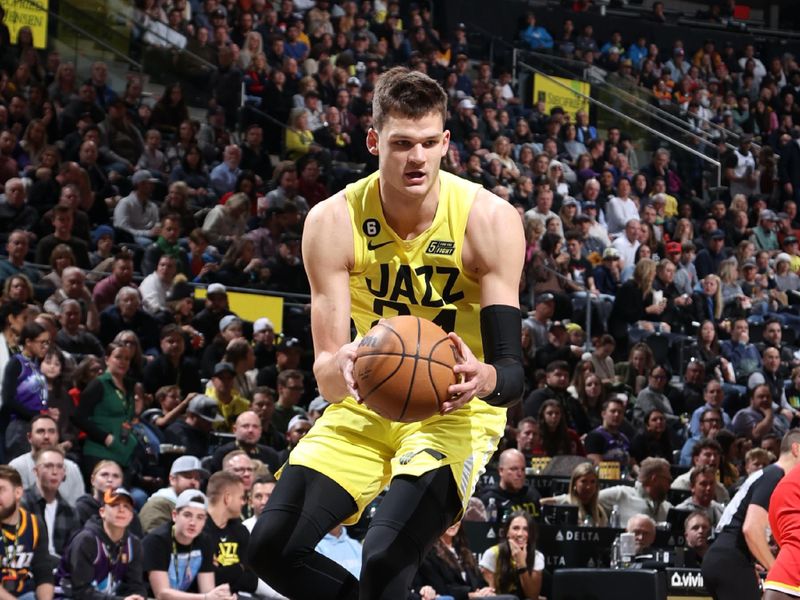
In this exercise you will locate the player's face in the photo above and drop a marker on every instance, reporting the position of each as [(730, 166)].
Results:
[(409, 152)]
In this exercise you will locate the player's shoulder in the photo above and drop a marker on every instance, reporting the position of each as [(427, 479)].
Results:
[(491, 216)]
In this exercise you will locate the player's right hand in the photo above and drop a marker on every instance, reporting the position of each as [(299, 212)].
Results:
[(345, 359)]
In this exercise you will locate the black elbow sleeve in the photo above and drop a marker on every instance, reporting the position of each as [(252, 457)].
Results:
[(501, 334)]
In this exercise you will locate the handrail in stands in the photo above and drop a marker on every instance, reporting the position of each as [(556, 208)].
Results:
[(661, 135)]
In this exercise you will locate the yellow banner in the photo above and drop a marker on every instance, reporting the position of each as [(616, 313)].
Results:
[(24, 13), (253, 306), (548, 91)]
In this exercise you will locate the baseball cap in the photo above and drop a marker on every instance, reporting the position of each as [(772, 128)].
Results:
[(673, 247), (186, 464), (141, 177), (557, 325), (610, 252), (319, 403), (589, 204), (205, 408), (717, 234), (790, 239), (191, 499), (216, 288), (296, 421), (179, 291), (569, 201), (262, 324), (227, 321), (546, 297), (582, 219), (223, 367), (115, 496), (783, 257), (750, 262), (466, 103), (354, 81), (289, 343)]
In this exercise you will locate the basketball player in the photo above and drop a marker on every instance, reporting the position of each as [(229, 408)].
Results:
[(729, 564), (783, 579), (407, 239)]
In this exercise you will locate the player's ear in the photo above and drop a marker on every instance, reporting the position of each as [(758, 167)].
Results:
[(445, 142), (372, 141)]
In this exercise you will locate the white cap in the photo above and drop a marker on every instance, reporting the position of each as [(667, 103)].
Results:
[(216, 288), (783, 257), (262, 324), (192, 499), (466, 103)]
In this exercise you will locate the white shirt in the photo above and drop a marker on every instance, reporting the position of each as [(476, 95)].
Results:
[(154, 293), (489, 560), (618, 212), (626, 249), (50, 521)]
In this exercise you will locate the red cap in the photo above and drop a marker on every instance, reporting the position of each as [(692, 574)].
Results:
[(673, 247)]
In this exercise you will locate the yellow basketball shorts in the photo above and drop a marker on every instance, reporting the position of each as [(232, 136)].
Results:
[(362, 451)]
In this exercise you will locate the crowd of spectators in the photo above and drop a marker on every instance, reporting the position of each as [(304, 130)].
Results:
[(114, 207)]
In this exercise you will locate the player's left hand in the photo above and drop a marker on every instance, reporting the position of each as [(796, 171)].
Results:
[(474, 378)]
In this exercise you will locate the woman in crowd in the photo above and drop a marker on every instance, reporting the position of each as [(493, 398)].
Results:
[(64, 88), (634, 308), (130, 340), (192, 171), (33, 143), (241, 355), (185, 139), (515, 566), (106, 412), (654, 440), (61, 257), (170, 111), (785, 279), (707, 304), (24, 391), (571, 143), (579, 374), (12, 316), (556, 438), (450, 568), (299, 138), (583, 493), (227, 222), (633, 373), (591, 395), (230, 328), (708, 352)]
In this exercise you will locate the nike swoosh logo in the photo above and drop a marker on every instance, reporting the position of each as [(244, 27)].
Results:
[(371, 246)]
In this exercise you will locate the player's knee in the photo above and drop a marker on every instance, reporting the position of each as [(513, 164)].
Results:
[(274, 545)]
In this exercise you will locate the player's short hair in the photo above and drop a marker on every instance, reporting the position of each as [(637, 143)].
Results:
[(219, 483), (408, 94), (791, 437)]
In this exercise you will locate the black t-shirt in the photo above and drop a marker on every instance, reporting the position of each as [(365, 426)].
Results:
[(230, 544), (181, 563), (526, 499), (757, 489)]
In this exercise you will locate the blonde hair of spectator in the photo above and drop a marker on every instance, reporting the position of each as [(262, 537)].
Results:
[(650, 466), (644, 273), (593, 509)]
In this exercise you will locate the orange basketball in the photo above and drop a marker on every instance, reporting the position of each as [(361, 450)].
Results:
[(403, 368)]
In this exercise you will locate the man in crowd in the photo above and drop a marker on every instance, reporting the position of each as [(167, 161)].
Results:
[(556, 382), (512, 492), (44, 434), (43, 499), (24, 536), (63, 221), (104, 557), (247, 433), (703, 480), (194, 431), (137, 214), (710, 425), (172, 366), (643, 529), (297, 429), (760, 417), (259, 496), (696, 531), (105, 290), (648, 496), (290, 390), (607, 442), (706, 453), (186, 473)]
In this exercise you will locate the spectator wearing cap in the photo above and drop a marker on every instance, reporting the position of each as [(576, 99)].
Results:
[(222, 388), (287, 273), (316, 408), (709, 259), (186, 473), (193, 432), (786, 280), (264, 342), (136, 213), (230, 328), (539, 318), (105, 555), (764, 236), (44, 500), (464, 122), (608, 274), (296, 430), (172, 366), (247, 432), (207, 320), (102, 255), (179, 556), (789, 245)]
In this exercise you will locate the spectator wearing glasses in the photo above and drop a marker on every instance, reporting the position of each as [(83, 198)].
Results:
[(710, 425), (24, 389), (43, 499), (290, 391), (186, 473), (241, 465), (653, 397)]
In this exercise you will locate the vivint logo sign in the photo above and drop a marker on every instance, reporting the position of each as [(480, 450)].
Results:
[(686, 580)]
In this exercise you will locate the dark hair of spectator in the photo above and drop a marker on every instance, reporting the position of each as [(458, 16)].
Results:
[(30, 331), (505, 574)]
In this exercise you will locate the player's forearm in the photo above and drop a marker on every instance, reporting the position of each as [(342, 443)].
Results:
[(330, 380)]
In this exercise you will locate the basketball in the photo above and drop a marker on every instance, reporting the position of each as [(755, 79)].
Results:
[(403, 368)]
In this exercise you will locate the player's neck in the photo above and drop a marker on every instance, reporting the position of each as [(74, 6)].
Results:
[(407, 215)]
